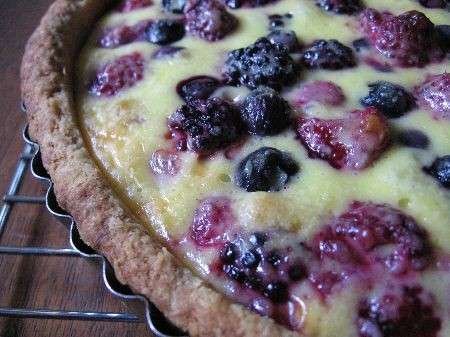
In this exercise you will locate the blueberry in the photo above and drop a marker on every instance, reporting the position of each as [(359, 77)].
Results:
[(235, 273), (234, 4), (440, 170), (434, 3), (229, 253), (328, 54), (274, 258), (254, 282), (257, 239), (277, 292), (360, 44), (266, 169), (443, 32), (165, 31), (166, 52), (261, 63), (285, 38), (265, 112), (250, 259), (413, 138), (297, 272), (340, 6), (390, 99), (174, 6), (275, 21), (197, 87)]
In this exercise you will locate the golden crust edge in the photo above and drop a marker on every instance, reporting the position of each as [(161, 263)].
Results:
[(138, 260)]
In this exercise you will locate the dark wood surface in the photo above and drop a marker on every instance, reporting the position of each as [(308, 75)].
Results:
[(68, 283)]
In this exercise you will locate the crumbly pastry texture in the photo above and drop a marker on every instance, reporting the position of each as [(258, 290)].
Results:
[(138, 260)]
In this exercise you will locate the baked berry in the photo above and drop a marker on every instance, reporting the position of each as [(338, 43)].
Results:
[(389, 98), (234, 4), (275, 21), (117, 75), (260, 64), (410, 38), (250, 259), (297, 272), (212, 218), (328, 54), (174, 6), (443, 34), (285, 38), (197, 87), (274, 258), (340, 6), (229, 253), (434, 95), (165, 31), (235, 273), (277, 292), (440, 170), (266, 169), (434, 3), (399, 311), (323, 92), (129, 5), (352, 143), (208, 125), (258, 239), (209, 19), (122, 35), (360, 44), (413, 138), (264, 112), (166, 52), (324, 282), (165, 162)]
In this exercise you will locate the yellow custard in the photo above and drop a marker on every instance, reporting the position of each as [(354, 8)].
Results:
[(124, 131)]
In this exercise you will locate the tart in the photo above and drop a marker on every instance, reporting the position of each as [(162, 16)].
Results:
[(256, 167)]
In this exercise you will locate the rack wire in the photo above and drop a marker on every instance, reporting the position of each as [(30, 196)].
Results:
[(30, 155)]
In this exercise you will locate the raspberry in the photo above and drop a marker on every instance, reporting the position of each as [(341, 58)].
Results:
[(212, 218), (328, 54), (207, 125), (410, 38), (323, 92), (440, 170), (391, 99), (197, 87), (434, 95), (165, 31), (266, 169), (165, 162), (234, 4), (285, 38), (340, 6), (208, 19), (353, 142), (261, 63), (121, 35), (400, 311), (265, 112), (120, 74), (129, 5)]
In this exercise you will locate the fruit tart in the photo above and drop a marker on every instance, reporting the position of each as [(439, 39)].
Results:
[(256, 167)]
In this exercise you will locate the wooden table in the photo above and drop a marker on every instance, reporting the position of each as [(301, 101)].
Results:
[(68, 283)]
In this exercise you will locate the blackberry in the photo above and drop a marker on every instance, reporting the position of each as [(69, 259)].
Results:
[(340, 6), (266, 169), (328, 54), (165, 31), (261, 63), (391, 99)]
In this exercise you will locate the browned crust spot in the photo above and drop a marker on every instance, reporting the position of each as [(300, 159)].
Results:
[(138, 260)]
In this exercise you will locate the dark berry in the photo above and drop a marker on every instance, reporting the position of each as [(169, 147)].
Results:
[(250, 259), (258, 239), (340, 6), (229, 253), (234, 4), (440, 170), (235, 273), (353, 142), (443, 33), (208, 125), (360, 44), (413, 138), (434, 3), (120, 74), (212, 218), (324, 282), (197, 87), (261, 63), (400, 311), (165, 162), (208, 19), (165, 31), (129, 5), (328, 54), (390, 99), (266, 169), (122, 35), (410, 38), (277, 292), (166, 52), (323, 92), (297, 272), (285, 38), (254, 282), (265, 112), (434, 95), (274, 258), (174, 6)]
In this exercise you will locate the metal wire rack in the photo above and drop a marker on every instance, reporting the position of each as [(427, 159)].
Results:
[(30, 155)]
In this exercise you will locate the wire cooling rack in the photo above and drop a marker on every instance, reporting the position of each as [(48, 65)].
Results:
[(30, 155)]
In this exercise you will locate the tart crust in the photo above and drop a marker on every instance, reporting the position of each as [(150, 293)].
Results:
[(139, 261)]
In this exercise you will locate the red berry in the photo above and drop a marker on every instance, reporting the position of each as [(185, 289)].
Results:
[(322, 92), (353, 142), (121, 35), (434, 95), (165, 162), (119, 74), (410, 38), (212, 218), (129, 5)]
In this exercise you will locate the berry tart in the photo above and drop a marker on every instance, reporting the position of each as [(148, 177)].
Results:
[(256, 167)]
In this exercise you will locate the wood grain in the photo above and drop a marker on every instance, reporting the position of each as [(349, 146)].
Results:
[(68, 283)]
